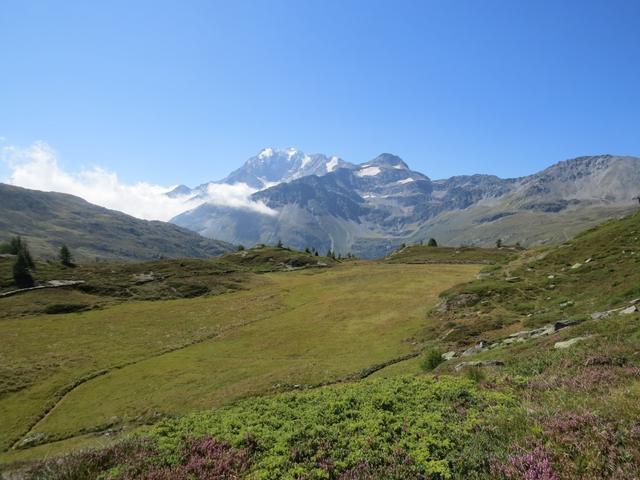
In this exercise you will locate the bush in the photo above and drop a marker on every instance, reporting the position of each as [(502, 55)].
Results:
[(432, 243), (475, 374), (404, 427), (58, 308), (431, 360)]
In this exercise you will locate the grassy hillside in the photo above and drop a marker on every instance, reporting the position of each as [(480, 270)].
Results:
[(425, 254), (110, 283), (541, 378), (48, 220)]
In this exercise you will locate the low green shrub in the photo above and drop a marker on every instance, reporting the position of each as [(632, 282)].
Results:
[(431, 360), (58, 308)]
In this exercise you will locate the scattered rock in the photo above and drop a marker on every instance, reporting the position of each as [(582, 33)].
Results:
[(480, 363), (604, 360), (628, 310), (448, 355), (512, 279), (551, 277), (31, 440), (559, 325), (568, 343), (588, 260), (478, 347), (566, 304), (63, 283), (464, 300), (140, 278), (635, 301), (575, 266)]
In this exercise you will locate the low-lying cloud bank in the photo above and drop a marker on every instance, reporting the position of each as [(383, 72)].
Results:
[(37, 167)]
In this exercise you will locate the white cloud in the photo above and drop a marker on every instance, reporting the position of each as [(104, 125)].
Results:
[(37, 167)]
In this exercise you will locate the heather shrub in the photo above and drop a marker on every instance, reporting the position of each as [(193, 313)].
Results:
[(534, 464), (203, 459), (393, 428), (590, 447)]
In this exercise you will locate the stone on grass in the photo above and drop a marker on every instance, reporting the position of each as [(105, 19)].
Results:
[(568, 343), (448, 355), (480, 363)]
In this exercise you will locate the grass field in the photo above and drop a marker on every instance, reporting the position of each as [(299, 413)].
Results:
[(132, 362)]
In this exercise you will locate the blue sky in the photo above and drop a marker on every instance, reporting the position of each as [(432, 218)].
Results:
[(185, 91)]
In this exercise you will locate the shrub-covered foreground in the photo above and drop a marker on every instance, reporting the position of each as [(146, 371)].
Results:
[(408, 427)]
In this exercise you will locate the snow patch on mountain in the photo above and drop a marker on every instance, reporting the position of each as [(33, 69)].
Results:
[(265, 153), (405, 180), (306, 160), (332, 164), (368, 171)]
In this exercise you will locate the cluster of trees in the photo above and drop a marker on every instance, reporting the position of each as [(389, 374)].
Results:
[(24, 266), (430, 243)]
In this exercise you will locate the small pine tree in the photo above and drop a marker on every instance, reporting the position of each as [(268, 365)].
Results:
[(307, 250), (65, 256), (499, 243), (240, 248), (432, 243), (279, 244), (316, 254), (21, 274), (18, 245)]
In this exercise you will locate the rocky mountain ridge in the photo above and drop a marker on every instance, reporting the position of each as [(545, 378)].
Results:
[(372, 207)]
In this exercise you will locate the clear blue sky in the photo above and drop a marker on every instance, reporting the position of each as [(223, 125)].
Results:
[(184, 91)]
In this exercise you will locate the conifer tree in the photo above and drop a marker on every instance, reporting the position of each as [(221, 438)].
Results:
[(21, 272), (65, 256)]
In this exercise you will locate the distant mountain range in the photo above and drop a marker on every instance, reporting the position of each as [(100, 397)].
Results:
[(48, 220), (368, 209)]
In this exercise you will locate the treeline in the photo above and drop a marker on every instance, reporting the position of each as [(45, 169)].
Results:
[(309, 250), (24, 267)]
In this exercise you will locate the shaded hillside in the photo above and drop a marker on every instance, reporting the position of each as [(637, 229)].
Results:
[(48, 220)]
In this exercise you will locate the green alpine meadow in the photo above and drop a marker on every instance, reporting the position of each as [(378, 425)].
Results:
[(320, 240)]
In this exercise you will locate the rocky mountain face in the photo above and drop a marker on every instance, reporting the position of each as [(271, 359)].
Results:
[(271, 167), (48, 220), (373, 207)]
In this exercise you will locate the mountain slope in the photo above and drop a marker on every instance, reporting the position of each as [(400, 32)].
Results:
[(50, 219), (370, 209)]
